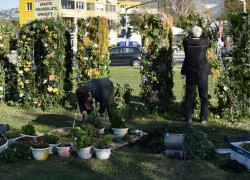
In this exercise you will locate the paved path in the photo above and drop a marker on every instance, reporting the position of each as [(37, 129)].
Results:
[(179, 58)]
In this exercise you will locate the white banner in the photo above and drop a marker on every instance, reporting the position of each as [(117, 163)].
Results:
[(46, 9)]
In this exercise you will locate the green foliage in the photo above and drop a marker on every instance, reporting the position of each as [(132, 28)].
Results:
[(157, 72), (92, 53), (15, 152), (198, 144), (122, 94), (95, 120), (208, 31), (45, 60), (120, 115), (245, 146), (104, 141), (12, 134), (51, 138), (233, 86), (28, 129), (82, 138)]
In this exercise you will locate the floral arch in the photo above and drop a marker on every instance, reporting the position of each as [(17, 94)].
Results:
[(45, 64)]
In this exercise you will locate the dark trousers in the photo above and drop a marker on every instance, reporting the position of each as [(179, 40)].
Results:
[(191, 83)]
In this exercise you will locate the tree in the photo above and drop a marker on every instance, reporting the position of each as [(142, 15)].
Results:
[(236, 5)]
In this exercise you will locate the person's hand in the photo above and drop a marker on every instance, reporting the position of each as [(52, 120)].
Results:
[(85, 115)]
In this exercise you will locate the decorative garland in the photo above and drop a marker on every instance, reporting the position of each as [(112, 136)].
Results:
[(43, 47), (92, 56), (157, 71)]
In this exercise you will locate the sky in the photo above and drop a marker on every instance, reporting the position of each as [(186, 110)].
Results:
[(8, 4)]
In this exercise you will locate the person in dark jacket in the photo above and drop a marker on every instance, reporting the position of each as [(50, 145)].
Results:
[(196, 69), (96, 90)]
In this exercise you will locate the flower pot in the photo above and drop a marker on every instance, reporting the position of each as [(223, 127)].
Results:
[(85, 153), (13, 140), (4, 147), (53, 149), (120, 132), (102, 153), (40, 154), (29, 136), (101, 131), (64, 152)]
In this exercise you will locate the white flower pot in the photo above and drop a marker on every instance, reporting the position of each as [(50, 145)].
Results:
[(40, 154), (29, 136), (13, 140), (4, 147), (102, 153), (64, 152), (101, 131), (85, 153), (53, 149), (120, 132)]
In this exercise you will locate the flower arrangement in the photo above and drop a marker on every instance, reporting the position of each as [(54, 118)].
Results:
[(46, 81)]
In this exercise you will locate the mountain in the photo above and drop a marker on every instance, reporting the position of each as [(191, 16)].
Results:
[(10, 15)]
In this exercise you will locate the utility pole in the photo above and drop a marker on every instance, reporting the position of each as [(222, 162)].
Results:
[(126, 16)]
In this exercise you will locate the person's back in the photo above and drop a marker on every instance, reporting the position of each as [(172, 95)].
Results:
[(195, 62), (196, 68)]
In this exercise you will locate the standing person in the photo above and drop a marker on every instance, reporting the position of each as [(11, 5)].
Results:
[(196, 69)]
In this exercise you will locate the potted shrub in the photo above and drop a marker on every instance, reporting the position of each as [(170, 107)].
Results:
[(118, 123), (103, 147), (40, 150), (12, 136), (83, 143), (52, 139), (3, 143), (28, 130), (96, 121)]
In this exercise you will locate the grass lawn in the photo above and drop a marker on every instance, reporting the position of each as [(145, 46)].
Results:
[(130, 162)]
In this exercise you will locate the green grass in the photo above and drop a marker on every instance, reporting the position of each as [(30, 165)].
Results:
[(130, 162)]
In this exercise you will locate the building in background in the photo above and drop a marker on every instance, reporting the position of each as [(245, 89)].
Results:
[(69, 11)]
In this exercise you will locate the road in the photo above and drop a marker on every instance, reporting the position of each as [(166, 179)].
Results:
[(179, 58)]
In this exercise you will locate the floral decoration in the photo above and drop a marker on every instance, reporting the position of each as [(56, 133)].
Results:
[(42, 63)]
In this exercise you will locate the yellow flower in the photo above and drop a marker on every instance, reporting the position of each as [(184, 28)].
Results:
[(24, 36), (21, 84), (55, 35), (55, 90), (26, 69), (93, 73), (215, 74), (27, 81)]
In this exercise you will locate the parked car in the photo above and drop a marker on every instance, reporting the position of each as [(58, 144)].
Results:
[(125, 55), (176, 48)]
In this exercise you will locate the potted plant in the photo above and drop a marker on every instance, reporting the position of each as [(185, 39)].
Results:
[(96, 121), (3, 143), (40, 150), (118, 123), (29, 131), (52, 139), (12, 136), (65, 145), (83, 143), (103, 147)]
